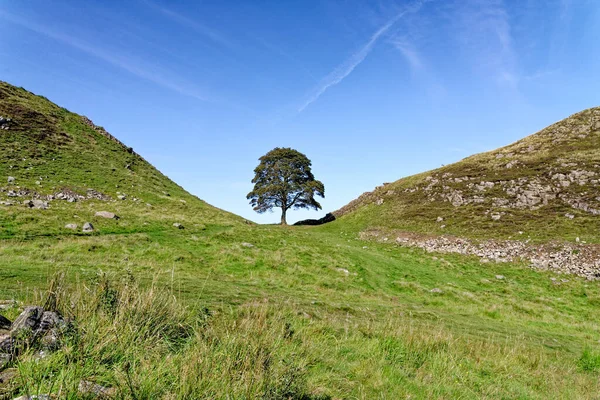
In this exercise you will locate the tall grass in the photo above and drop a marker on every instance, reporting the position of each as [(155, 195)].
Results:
[(146, 345)]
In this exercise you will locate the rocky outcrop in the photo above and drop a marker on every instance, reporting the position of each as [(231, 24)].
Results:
[(568, 258), (33, 327), (33, 197)]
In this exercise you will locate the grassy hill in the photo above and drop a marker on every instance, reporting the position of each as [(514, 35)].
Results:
[(546, 186), (77, 168), (228, 310)]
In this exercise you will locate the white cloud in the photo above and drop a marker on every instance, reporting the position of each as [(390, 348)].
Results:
[(124, 62), (346, 68)]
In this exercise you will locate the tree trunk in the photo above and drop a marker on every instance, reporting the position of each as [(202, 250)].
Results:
[(283, 221)]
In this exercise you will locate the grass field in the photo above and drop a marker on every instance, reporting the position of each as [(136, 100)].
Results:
[(375, 331)]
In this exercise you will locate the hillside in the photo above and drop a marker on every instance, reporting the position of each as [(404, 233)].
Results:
[(545, 186), (70, 168)]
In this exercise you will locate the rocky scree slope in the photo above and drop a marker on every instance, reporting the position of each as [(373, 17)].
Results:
[(58, 169), (543, 187)]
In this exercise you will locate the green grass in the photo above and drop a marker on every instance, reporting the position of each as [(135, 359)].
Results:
[(377, 332), (307, 313)]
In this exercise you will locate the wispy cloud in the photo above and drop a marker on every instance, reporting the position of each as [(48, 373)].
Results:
[(346, 68), (486, 34), (202, 29), (409, 52), (124, 62)]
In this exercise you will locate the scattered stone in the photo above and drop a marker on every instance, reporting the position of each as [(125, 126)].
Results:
[(343, 270), (439, 219), (178, 225), (121, 197), (379, 202), (36, 204), (570, 216), (106, 214), (27, 321), (11, 179), (500, 277), (71, 226), (91, 389), (88, 227), (436, 290), (35, 397), (249, 245)]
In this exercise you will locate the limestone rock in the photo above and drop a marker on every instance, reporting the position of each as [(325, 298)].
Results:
[(71, 226), (11, 179), (106, 214), (249, 245), (91, 389), (88, 227), (36, 203), (178, 225), (28, 320)]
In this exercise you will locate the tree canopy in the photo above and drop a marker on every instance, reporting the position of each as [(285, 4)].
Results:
[(284, 179)]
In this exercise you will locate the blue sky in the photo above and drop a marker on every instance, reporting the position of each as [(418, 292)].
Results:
[(369, 91)]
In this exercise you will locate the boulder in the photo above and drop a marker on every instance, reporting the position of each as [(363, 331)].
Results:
[(178, 225), (106, 214), (249, 245), (11, 179), (71, 226), (121, 197), (36, 203), (88, 227), (28, 320)]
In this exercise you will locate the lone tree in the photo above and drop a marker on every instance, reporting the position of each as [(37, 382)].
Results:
[(283, 179)]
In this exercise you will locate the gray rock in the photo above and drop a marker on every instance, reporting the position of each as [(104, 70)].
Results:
[(6, 344), (121, 197), (36, 203), (92, 389), (500, 277), (11, 179), (249, 245), (28, 320), (178, 225), (88, 227), (106, 214), (71, 226), (436, 290)]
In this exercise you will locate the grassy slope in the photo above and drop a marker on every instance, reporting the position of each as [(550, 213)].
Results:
[(286, 319), (571, 144), (52, 146)]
